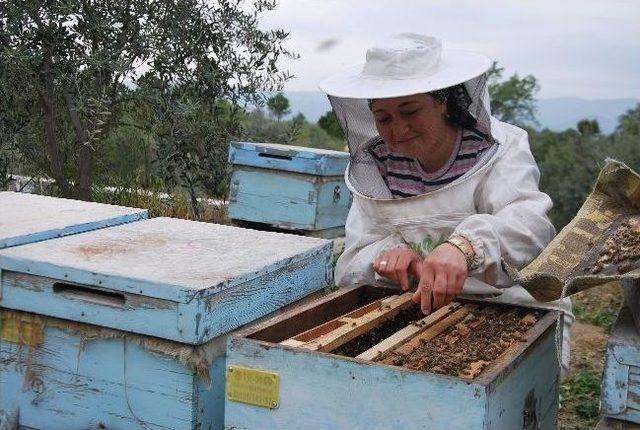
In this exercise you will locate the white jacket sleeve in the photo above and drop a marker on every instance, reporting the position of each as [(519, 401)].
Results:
[(511, 222), (365, 239)]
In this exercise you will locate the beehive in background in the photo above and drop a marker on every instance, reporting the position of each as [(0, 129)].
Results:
[(289, 187), (621, 376), (124, 327)]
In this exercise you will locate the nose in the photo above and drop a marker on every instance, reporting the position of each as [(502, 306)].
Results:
[(401, 128)]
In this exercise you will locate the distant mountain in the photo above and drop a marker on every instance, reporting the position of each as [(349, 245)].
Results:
[(556, 113), (562, 113)]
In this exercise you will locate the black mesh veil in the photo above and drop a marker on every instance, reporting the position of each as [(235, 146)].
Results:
[(467, 106)]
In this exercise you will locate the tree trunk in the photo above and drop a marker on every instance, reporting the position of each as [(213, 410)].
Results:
[(85, 161), (53, 148)]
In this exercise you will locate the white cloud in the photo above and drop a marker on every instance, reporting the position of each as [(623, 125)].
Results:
[(586, 48)]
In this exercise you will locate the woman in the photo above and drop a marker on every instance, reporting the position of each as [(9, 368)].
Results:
[(442, 192)]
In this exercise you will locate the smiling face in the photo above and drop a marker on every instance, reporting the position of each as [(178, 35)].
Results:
[(415, 126)]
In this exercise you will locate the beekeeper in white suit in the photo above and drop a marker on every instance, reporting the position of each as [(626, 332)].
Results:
[(443, 193)]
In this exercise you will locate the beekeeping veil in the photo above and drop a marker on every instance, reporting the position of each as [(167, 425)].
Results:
[(402, 65)]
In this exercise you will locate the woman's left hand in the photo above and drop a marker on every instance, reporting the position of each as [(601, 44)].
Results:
[(442, 275)]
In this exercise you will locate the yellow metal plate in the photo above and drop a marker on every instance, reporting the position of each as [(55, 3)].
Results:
[(23, 329), (253, 386)]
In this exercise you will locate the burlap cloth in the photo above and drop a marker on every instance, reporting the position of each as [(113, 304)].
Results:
[(601, 244)]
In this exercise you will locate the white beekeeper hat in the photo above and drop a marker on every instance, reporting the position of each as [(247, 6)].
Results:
[(406, 64)]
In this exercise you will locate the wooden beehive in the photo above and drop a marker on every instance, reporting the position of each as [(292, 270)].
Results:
[(314, 369), (175, 279), (28, 218), (59, 375), (289, 187), (631, 293), (97, 327), (621, 376)]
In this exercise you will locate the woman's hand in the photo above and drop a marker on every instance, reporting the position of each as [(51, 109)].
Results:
[(396, 265), (442, 275)]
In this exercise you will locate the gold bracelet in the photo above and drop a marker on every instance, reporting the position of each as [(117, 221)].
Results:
[(465, 247)]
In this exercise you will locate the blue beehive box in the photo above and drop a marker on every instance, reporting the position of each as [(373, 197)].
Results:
[(289, 187), (124, 327), (27, 218), (275, 383), (621, 376)]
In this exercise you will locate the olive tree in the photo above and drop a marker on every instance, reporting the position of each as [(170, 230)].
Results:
[(512, 99), (70, 71), (278, 105)]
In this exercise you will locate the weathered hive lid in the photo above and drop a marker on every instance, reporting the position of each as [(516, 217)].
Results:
[(314, 161), (27, 218), (176, 279)]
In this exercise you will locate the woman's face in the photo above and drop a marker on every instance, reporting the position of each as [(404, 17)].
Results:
[(413, 126)]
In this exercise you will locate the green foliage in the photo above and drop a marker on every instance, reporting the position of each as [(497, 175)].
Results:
[(588, 127), (329, 123), (629, 122), (192, 138), (315, 137), (258, 128), (278, 105), (427, 244), (4, 171), (570, 161), (582, 394), (513, 99), (64, 65), (568, 167), (599, 306), (299, 119)]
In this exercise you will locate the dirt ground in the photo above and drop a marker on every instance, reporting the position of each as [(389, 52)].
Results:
[(595, 311)]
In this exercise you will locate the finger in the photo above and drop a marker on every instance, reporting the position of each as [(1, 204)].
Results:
[(416, 267), (439, 289), (451, 292), (455, 289), (380, 262), (426, 299), (390, 270), (417, 295), (402, 273), (424, 289)]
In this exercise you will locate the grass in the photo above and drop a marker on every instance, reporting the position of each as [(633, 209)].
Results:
[(603, 317), (595, 311), (598, 306), (580, 393), (163, 205)]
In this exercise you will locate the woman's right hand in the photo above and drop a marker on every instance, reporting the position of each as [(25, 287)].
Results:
[(397, 264)]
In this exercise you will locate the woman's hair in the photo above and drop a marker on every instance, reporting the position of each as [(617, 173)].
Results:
[(458, 101)]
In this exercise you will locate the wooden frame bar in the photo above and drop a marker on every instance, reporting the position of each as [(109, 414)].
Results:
[(337, 332), (407, 333), (431, 332)]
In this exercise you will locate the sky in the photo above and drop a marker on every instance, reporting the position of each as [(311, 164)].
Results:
[(575, 48)]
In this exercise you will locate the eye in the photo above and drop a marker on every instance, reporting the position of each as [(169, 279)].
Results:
[(410, 112), (383, 119)]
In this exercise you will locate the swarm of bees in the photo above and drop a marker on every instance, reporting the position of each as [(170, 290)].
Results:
[(621, 249)]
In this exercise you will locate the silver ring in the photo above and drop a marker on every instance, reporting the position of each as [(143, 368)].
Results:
[(383, 263)]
